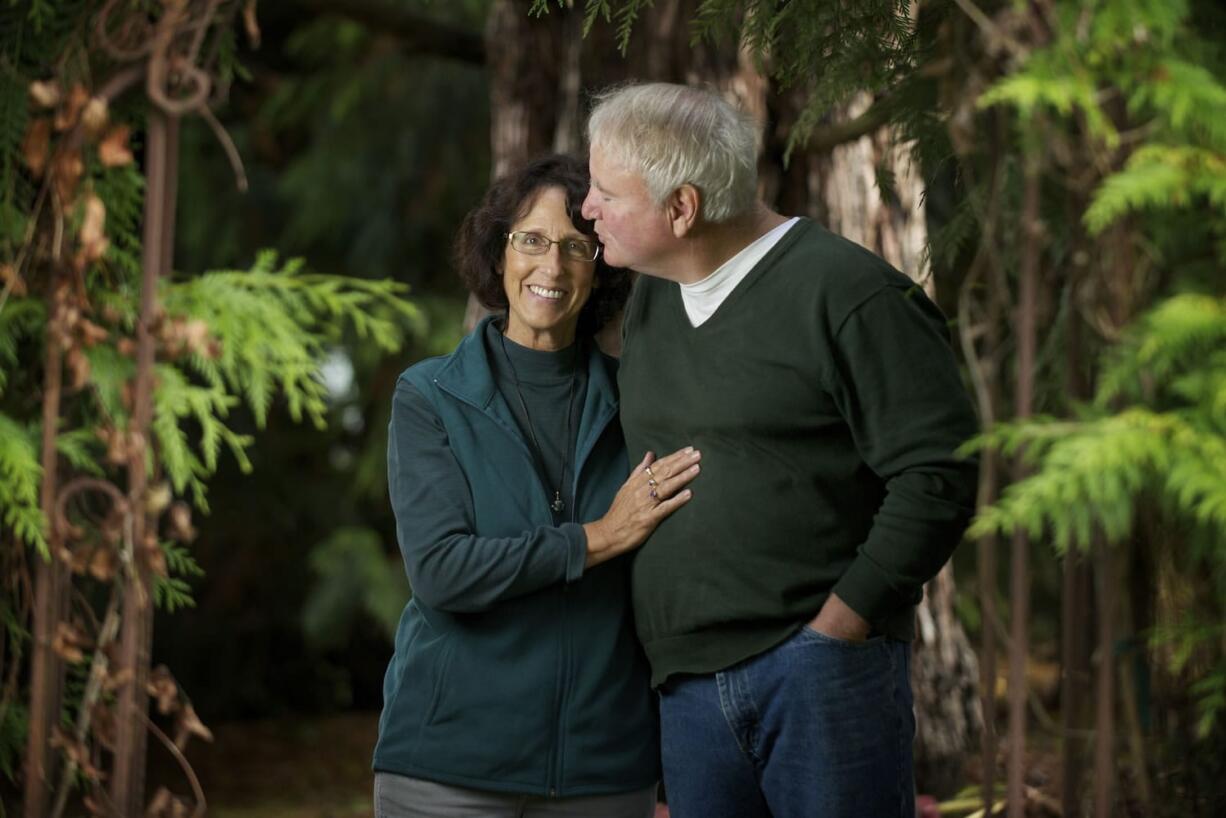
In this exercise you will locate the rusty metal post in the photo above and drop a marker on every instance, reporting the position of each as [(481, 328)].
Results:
[(128, 775)]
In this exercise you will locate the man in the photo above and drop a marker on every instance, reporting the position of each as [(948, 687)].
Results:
[(818, 382)]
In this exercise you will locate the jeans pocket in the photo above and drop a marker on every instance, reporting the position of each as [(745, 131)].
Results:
[(824, 638)]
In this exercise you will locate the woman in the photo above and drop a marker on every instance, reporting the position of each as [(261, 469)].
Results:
[(517, 686)]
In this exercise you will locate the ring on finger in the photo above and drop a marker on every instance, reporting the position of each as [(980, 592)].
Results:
[(653, 495), (651, 481), (650, 473)]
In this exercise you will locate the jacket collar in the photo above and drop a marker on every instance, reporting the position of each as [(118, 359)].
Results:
[(469, 376)]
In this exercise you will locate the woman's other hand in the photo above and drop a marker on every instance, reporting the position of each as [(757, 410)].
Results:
[(654, 490)]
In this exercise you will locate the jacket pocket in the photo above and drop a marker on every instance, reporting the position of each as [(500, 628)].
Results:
[(440, 673)]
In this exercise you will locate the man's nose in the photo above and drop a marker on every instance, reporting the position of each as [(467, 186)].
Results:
[(588, 209)]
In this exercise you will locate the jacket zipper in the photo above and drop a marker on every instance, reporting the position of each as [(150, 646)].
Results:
[(556, 765)]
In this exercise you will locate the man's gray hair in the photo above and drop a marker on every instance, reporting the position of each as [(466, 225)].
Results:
[(673, 135)]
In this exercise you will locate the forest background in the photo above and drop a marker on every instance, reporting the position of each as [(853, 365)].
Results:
[(225, 230)]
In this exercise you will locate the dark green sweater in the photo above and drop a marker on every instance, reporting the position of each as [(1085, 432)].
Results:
[(827, 404)]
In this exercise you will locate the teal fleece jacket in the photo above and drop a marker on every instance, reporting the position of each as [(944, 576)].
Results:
[(515, 669)]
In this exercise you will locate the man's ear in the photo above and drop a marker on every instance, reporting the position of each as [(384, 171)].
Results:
[(683, 206)]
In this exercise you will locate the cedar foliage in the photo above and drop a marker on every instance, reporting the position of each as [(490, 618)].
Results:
[(1154, 436), (256, 337)]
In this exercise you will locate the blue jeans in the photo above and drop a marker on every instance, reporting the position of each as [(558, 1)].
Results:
[(813, 728)]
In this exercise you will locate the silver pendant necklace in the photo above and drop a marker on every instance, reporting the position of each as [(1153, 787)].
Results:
[(558, 505)]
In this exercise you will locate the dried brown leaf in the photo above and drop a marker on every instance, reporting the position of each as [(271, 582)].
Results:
[(111, 527), (36, 146), (180, 522), (158, 497), (69, 642), (116, 447), (78, 367), (75, 751), (165, 804), (164, 689), (10, 280), (155, 559), (70, 111), (113, 150), (102, 723), (45, 93), (95, 115), (120, 678), (196, 336), (189, 724), (102, 563), (251, 24), (66, 172), (95, 807), (77, 558), (93, 228), (91, 334)]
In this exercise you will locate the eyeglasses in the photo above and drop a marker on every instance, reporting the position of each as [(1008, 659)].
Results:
[(534, 244)]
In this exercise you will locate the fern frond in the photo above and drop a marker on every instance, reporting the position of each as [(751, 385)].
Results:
[(82, 449), (20, 478), (176, 401), (274, 324), (174, 591), (20, 318), (1159, 176), (1051, 81), (1091, 474), (1189, 100), (1181, 335), (110, 373)]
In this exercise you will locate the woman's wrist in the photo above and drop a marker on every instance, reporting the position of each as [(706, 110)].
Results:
[(597, 542)]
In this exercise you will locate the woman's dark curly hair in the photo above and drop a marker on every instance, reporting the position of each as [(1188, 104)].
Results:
[(481, 243)]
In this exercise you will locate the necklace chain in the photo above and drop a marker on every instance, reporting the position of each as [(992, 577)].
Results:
[(558, 505)]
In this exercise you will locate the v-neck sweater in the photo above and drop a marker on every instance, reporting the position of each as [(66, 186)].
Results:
[(828, 407)]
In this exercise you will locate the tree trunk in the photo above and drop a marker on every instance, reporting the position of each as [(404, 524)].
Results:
[(1076, 620), (1104, 717), (1019, 581)]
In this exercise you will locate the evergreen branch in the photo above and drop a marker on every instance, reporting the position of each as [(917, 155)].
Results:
[(1183, 334), (1159, 177), (1092, 474), (177, 400), (1188, 98), (20, 318), (273, 324), (82, 449), (20, 478), (173, 591)]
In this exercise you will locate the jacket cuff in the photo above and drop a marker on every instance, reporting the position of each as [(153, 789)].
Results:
[(576, 556), (866, 589)]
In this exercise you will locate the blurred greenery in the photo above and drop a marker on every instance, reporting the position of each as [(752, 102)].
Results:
[(360, 161)]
